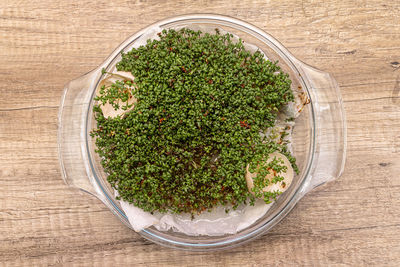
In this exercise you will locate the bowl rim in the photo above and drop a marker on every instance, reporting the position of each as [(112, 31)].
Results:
[(289, 59)]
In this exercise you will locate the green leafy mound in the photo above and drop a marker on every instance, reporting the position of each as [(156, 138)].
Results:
[(202, 101)]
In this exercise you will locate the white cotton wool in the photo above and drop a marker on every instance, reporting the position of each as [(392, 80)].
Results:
[(214, 223)]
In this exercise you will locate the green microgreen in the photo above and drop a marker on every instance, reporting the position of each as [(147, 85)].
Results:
[(202, 101)]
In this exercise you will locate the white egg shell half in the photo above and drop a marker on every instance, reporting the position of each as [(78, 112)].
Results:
[(108, 110), (282, 185)]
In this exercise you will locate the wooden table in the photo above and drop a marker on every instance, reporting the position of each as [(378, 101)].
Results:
[(354, 220)]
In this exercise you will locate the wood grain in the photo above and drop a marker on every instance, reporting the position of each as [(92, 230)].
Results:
[(354, 220)]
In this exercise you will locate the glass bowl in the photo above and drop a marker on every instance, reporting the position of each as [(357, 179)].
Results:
[(319, 136)]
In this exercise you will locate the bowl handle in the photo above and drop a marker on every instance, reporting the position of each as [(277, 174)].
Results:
[(330, 130), (71, 142), (72, 146)]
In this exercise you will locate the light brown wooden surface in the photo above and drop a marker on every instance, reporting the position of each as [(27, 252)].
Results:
[(354, 220)]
